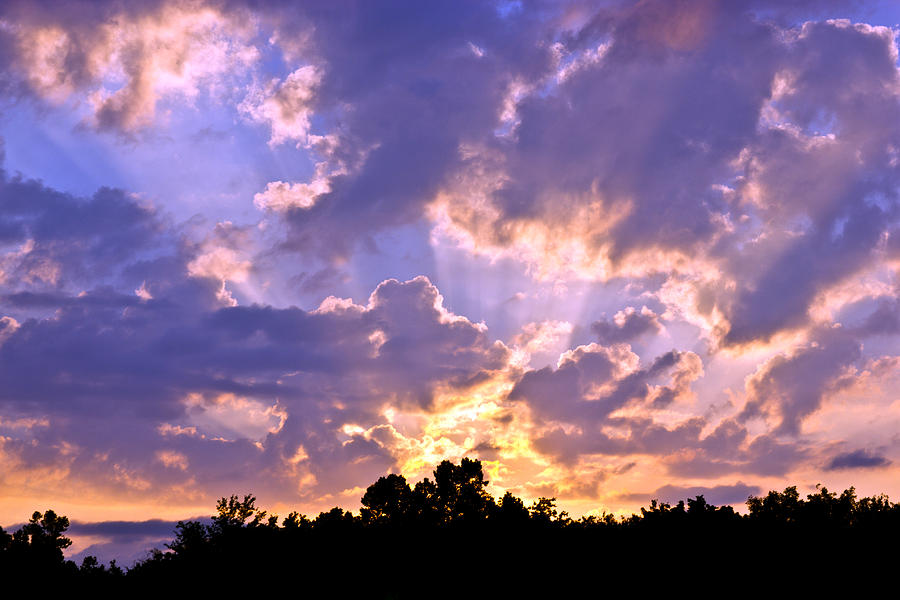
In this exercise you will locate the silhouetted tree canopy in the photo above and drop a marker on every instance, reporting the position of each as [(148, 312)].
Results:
[(451, 518)]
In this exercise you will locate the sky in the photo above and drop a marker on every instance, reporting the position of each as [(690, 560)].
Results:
[(615, 250)]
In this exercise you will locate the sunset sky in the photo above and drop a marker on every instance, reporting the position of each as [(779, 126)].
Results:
[(615, 250)]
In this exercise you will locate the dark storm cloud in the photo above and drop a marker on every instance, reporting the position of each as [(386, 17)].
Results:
[(124, 531), (857, 459)]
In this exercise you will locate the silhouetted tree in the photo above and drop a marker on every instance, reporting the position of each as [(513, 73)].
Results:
[(776, 508), (37, 546), (460, 491), (388, 500), (512, 511), (190, 537), (233, 514), (295, 522), (543, 511), (43, 537), (428, 527), (336, 519), (425, 507)]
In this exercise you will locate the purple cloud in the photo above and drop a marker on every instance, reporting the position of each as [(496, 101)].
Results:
[(627, 325), (790, 387), (734, 165), (718, 495), (857, 459), (148, 387)]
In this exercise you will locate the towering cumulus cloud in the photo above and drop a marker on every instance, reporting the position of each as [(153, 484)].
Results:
[(157, 387), (614, 250)]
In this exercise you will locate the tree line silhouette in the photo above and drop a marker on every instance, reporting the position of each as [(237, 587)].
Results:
[(403, 531)]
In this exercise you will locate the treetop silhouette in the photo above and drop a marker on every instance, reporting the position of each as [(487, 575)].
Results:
[(448, 516)]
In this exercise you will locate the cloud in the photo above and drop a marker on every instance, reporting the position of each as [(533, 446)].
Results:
[(738, 146), (556, 157), (884, 320), (730, 448), (123, 541), (286, 106), (757, 173), (627, 325), (824, 119), (733, 163), (593, 381), (789, 387), (282, 196), (178, 391), (413, 124), (122, 62), (542, 340), (601, 401), (857, 459), (124, 530), (718, 495), (406, 89), (55, 240)]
